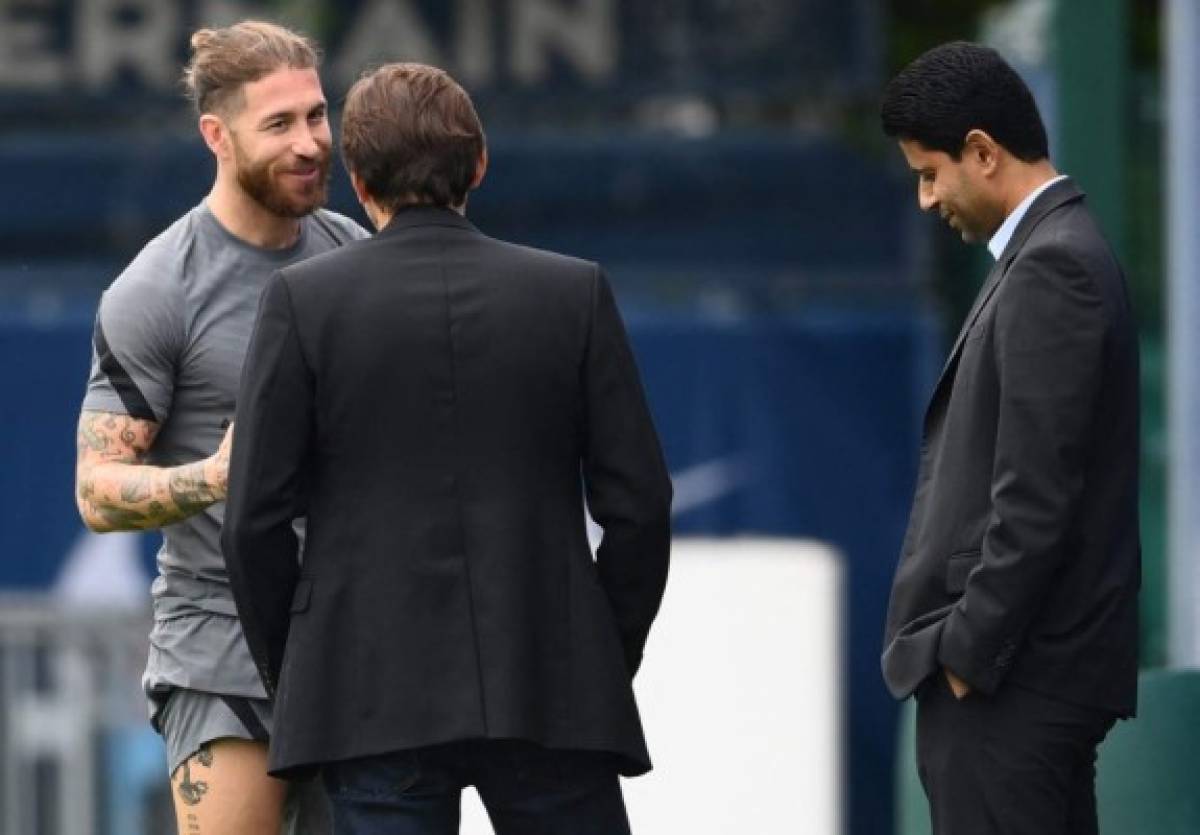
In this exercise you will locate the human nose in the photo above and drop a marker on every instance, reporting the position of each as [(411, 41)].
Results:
[(925, 197), (305, 143)]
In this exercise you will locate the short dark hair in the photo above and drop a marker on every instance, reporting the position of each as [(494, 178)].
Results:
[(412, 134), (958, 87)]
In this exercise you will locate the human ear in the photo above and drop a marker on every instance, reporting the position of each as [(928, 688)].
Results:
[(215, 135), (480, 169), (360, 188), (982, 151)]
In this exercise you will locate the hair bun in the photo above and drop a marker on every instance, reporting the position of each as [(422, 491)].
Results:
[(202, 39)]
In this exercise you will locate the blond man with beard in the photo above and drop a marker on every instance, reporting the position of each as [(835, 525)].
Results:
[(170, 338)]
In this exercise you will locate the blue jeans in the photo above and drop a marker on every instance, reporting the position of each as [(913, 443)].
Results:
[(526, 790)]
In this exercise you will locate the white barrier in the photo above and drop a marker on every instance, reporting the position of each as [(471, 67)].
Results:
[(68, 690), (740, 693)]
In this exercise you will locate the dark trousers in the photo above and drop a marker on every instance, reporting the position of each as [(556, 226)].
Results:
[(1016, 763), (526, 789)]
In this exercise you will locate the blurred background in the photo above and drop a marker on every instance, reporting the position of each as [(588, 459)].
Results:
[(789, 306)]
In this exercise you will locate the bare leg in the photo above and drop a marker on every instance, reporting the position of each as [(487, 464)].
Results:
[(224, 789)]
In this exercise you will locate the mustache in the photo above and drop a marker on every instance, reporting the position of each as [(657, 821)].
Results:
[(322, 157), (307, 165)]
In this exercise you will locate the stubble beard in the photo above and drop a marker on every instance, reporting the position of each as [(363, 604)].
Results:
[(260, 183)]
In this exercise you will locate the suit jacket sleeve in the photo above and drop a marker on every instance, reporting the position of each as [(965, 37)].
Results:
[(1049, 338), (270, 447), (626, 479)]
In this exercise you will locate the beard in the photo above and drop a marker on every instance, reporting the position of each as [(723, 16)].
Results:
[(263, 183)]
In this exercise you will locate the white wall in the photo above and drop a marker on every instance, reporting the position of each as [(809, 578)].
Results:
[(740, 695)]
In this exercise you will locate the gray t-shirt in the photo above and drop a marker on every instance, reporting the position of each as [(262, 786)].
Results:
[(170, 338)]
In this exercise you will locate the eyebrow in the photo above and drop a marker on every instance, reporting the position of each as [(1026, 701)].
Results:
[(272, 117), (287, 114)]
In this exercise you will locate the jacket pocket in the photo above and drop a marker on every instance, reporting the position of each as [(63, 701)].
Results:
[(302, 595), (959, 568)]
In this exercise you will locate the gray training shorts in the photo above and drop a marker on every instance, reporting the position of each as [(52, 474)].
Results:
[(189, 719)]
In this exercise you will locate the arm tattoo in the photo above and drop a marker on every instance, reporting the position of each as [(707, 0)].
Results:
[(190, 492), (90, 439), (120, 519), (116, 491), (136, 489)]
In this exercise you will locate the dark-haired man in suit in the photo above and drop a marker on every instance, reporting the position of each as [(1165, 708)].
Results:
[(436, 402), (1013, 613)]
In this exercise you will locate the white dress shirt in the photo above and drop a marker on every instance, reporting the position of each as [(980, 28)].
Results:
[(1004, 234)]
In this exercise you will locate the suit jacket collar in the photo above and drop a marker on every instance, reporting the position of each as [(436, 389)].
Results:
[(409, 217), (1063, 192)]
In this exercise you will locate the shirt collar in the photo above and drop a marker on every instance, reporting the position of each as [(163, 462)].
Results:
[(1004, 234)]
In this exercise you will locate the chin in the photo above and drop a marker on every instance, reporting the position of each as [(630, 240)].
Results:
[(305, 204), (968, 237)]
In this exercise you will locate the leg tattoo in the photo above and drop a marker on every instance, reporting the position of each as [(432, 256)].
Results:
[(192, 792)]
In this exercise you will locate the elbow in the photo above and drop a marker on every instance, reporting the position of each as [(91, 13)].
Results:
[(92, 519)]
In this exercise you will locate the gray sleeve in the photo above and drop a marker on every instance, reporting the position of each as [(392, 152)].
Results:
[(136, 343), (345, 229)]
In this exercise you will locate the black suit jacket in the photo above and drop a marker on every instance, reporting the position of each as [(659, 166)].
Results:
[(436, 402), (1021, 562)]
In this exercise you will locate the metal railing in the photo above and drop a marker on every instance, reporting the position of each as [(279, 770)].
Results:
[(77, 756)]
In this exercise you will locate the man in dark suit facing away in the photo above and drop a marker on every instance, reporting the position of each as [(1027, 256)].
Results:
[(436, 403), (1013, 613)]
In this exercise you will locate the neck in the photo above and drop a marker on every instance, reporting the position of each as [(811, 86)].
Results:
[(249, 220), (381, 217), (1027, 177)]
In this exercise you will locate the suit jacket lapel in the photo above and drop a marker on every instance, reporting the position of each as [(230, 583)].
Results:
[(985, 292), (1064, 191)]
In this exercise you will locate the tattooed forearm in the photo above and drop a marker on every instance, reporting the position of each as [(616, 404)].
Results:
[(123, 497), (190, 492), (115, 491), (120, 519), (136, 489)]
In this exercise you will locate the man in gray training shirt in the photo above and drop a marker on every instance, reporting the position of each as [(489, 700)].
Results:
[(154, 433)]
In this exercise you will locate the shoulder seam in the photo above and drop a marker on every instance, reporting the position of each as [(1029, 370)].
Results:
[(326, 227)]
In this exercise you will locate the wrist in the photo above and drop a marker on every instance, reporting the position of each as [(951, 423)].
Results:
[(215, 472)]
